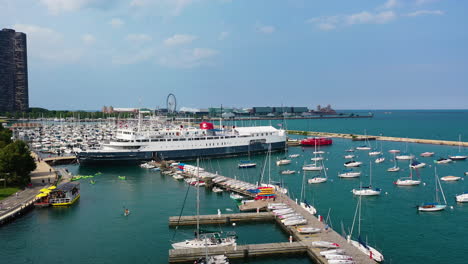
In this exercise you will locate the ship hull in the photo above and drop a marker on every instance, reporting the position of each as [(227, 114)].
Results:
[(182, 154)]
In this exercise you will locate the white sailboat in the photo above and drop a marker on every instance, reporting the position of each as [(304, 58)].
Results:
[(349, 173), (367, 190), (458, 156), (435, 206), (462, 198), (313, 167), (319, 178), (395, 168), (408, 181), (303, 202), (360, 244), (209, 240)]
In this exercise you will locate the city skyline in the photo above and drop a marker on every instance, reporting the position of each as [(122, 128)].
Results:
[(393, 54)]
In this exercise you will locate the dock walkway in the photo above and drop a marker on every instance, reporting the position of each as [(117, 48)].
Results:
[(303, 242)]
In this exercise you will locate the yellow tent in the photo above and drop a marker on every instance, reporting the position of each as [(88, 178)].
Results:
[(41, 195), (45, 191), (52, 187)]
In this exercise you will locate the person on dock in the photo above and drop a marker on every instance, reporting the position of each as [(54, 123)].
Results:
[(127, 212)]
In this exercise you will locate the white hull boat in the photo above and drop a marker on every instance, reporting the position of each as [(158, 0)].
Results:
[(379, 160), (205, 243), (367, 191), (316, 159), (375, 153), (292, 156), (407, 182), (338, 257), (311, 167), (340, 261), (325, 244), (417, 165), (443, 161), (309, 230), (316, 180), (427, 154), (462, 198), (450, 178), (404, 157), (332, 251), (352, 164), (369, 251), (349, 156), (295, 222), (363, 148), (433, 207), (349, 174), (393, 169), (288, 172), (458, 157), (309, 208), (436, 206), (283, 162)]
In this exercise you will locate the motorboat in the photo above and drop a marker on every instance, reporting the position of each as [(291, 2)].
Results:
[(217, 190), (394, 151), (292, 156), (317, 180), (352, 163), (244, 164), (404, 157), (367, 191), (349, 156), (450, 178), (462, 198), (443, 161), (427, 154), (375, 153), (417, 165), (349, 173), (407, 182), (287, 172), (283, 162), (312, 167), (458, 157), (363, 148), (379, 160)]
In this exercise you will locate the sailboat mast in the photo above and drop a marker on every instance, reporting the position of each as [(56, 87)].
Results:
[(198, 200)]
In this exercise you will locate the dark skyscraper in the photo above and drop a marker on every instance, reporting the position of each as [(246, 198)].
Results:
[(13, 71)]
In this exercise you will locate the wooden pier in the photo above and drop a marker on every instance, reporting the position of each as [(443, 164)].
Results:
[(244, 251), (383, 138), (221, 219), (302, 242)]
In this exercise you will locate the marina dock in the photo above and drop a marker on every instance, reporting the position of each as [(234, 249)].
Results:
[(383, 138), (302, 242)]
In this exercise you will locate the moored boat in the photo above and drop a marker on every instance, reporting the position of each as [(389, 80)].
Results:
[(316, 141), (450, 178), (462, 198), (65, 194), (427, 154), (352, 163)]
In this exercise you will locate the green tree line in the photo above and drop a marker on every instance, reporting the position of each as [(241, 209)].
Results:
[(16, 162)]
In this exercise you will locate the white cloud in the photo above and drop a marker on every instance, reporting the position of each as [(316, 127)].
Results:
[(138, 38), (332, 22), (390, 4), (425, 12), (58, 6), (48, 44), (424, 2), (88, 39), (265, 29), (223, 35), (116, 22), (179, 39), (189, 58), (176, 6)]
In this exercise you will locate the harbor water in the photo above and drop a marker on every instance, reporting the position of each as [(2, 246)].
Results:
[(95, 231)]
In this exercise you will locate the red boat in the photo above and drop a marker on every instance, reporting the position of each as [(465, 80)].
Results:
[(319, 141)]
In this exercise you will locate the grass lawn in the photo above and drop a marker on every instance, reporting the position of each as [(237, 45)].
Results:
[(5, 192)]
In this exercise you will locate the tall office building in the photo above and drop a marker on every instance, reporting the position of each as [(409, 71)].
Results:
[(13, 71)]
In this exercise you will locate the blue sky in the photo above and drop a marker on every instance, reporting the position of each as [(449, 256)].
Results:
[(355, 54)]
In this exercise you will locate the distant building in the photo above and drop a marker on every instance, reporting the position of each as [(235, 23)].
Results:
[(278, 110), (13, 71)]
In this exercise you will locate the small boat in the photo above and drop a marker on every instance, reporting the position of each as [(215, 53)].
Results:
[(283, 162), (319, 152), (316, 159), (332, 252), (317, 180), (458, 156), (466, 173), (427, 154), (292, 156), (338, 257), (450, 178), (363, 148), (375, 153), (443, 161), (217, 190), (349, 173), (393, 169), (404, 157), (273, 206), (408, 181), (349, 156), (417, 165), (293, 222), (215, 259), (394, 151), (352, 163), (436, 206), (325, 244), (309, 230), (312, 167), (236, 196), (368, 190), (379, 160), (287, 172), (147, 165), (244, 164), (349, 150), (462, 198), (178, 177)]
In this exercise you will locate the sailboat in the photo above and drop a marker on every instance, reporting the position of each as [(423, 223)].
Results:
[(408, 181), (405, 156), (367, 190), (360, 244), (366, 145), (395, 168), (436, 206), (202, 239), (303, 202), (458, 156), (313, 167), (319, 179)]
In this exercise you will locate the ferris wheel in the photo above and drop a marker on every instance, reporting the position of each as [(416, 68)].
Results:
[(171, 103)]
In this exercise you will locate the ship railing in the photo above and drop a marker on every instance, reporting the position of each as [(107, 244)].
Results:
[(59, 200)]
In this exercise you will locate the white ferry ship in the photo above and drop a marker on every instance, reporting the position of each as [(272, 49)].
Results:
[(186, 143)]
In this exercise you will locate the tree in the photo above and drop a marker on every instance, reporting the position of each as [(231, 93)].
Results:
[(5, 136), (16, 160)]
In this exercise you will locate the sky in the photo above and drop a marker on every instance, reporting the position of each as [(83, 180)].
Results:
[(353, 54)]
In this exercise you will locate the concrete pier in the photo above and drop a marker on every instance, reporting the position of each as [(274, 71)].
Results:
[(221, 219), (383, 138)]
